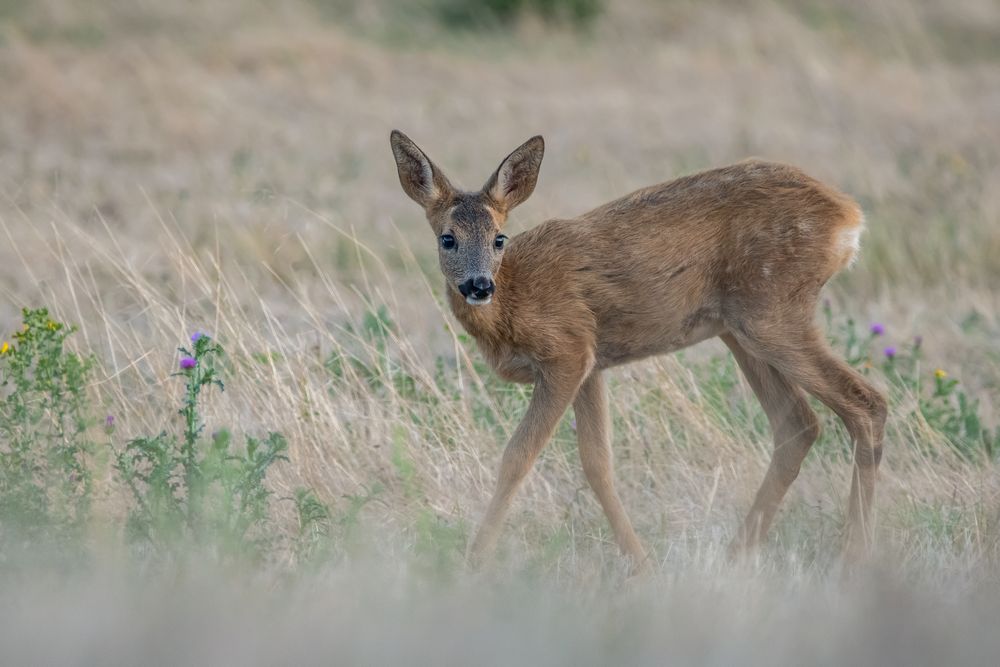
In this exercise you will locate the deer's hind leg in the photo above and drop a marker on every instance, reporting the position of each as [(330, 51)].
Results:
[(795, 428), (801, 354)]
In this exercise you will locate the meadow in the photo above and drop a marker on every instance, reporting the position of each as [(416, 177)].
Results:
[(238, 423)]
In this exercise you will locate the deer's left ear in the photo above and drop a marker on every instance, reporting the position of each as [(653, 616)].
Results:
[(515, 178)]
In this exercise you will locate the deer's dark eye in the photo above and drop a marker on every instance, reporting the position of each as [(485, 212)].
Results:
[(499, 241), (447, 241)]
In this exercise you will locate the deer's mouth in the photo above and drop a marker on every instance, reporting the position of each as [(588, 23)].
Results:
[(478, 291), (474, 300)]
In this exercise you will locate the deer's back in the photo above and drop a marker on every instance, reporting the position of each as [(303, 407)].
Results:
[(668, 265)]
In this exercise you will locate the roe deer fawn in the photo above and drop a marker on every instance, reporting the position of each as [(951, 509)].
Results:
[(739, 252)]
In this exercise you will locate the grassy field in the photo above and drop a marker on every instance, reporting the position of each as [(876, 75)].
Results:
[(224, 167)]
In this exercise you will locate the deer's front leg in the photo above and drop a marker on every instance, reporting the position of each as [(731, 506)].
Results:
[(555, 388), (593, 432)]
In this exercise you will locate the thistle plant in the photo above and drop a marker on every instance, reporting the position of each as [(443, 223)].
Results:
[(942, 402), (192, 490)]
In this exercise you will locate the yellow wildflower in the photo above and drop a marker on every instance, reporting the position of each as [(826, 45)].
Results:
[(940, 374), (5, 348), (51, 325)]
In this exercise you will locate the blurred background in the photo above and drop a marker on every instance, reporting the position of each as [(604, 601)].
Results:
[(224, 166), (238, 120)]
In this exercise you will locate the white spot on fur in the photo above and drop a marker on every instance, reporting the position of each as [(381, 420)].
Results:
[(473, 301), (848, 242)]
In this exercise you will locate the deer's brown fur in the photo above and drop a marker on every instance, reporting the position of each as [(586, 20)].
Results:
[(739, 252)]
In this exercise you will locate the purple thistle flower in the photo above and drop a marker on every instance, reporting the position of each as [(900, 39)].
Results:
[(196, 336), (187, 363), (877, 329), (890, 353), (109, 422)]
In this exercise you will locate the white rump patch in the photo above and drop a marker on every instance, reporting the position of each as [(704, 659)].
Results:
[(848, 242)]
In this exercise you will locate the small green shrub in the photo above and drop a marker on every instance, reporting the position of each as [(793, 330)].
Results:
[(941, 402), (45, 482), (325, 537), (954, 414), (313, 541), (196, 491)]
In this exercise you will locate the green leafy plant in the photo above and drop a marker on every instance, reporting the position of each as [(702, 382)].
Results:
[(953, 413), (942, 402), (321, 531), (313, 542), (45, 482), (196, 490)]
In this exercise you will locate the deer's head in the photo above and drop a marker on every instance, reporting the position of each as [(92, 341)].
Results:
[(468, 225)]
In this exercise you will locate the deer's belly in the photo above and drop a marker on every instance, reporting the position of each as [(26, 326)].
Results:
[(638, 342)]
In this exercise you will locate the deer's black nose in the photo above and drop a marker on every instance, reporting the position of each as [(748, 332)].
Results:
[(479, 287)]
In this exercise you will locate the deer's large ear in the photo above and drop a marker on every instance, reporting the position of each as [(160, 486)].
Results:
[(421, 180), (515, 178)]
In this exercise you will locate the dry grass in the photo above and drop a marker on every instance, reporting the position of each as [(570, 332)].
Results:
[(165, 169)]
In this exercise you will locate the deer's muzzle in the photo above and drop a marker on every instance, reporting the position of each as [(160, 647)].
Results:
[(478, 290)]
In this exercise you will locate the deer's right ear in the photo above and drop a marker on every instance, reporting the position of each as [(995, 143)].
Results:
[(421, 180)]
